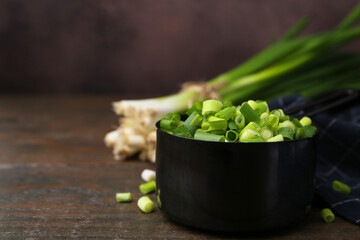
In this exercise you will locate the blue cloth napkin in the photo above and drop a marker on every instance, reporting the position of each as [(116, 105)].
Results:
[(338, 156)]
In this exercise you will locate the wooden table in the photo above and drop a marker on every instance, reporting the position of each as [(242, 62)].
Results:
[(58, 180)]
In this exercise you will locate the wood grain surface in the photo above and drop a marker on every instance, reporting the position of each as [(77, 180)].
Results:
[(58, 180)]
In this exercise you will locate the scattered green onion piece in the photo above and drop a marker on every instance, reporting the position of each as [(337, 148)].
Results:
[(232, 136), (239, 121), (226, 113), (305, 121), (248, 134), (277, 138), (309, 131), (327, 215), (287, 123), (166, 124), (148, 187), (341, 187), (216, 123), (249, 113), (123, 197), (211, 106), (200, 135), (286, 132), (145, 204), (194, 119), (266, 133), (232, 125)]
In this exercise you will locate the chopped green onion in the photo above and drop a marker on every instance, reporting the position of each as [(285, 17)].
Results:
[(239, 121), (226, 113), (205, 125), (216, 123), (286, 132), (248, 134), (284, 118), (277, 138), (227, 103), (265, 116), (226, 123), (123, 197), (300, 133), (309, 131), (166, 124), (196, 106), (253, 126), (305, 121), (200, 135), (145, 204), (194, 119), (148, 175), (148, 187), (252, 104), (262, 107), (276, 112), (173, 116), (185, 131), (272, 121), (341, 187), (327, 215), (211, 106), (232, 136), (288, 124), (253, 140), (296, 122), (232, 125), (249, 113), (266, 133)]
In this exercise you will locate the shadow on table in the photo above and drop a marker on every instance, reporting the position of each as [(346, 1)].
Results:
[(277, 233)]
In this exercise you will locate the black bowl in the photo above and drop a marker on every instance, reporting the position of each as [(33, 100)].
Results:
[(239, 187)]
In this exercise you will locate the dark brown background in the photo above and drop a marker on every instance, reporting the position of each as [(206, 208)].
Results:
[(132, 46)]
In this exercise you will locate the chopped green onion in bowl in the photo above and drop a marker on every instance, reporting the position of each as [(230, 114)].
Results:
[(249, 122)]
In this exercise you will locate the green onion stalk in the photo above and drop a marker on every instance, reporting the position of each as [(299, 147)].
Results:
[(308, 65)]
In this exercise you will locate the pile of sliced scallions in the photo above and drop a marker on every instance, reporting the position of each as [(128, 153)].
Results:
[(251, 121), (307, 65)]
